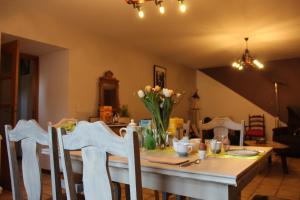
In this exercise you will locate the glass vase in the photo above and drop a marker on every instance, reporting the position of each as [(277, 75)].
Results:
[(161, 136)]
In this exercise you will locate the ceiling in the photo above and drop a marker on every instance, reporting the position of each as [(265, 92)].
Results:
[(209, 34)]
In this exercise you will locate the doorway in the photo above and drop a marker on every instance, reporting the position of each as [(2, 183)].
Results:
[(18, 93), (33, 85), (28, 87)]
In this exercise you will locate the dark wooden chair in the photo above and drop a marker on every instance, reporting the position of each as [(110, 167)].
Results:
[(256, 127)]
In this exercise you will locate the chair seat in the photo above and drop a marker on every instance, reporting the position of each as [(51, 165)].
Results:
[(255, 132)]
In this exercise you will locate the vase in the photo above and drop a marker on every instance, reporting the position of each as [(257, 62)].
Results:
[(160, 135)]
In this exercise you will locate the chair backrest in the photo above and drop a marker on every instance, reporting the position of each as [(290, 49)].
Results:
[(31, 136), (96, 141), (256, 125), (221, 125)]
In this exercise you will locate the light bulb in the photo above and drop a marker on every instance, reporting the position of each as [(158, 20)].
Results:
[(182, 6), (162, 9), (258, 64), (141, 14), (234, 64)]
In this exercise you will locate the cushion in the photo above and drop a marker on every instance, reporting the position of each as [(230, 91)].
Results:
[(255, 132)]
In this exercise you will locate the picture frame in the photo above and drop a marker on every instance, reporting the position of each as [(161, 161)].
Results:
[(159, 76)]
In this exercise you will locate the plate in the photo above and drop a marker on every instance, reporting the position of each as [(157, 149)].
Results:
[(242, 152)]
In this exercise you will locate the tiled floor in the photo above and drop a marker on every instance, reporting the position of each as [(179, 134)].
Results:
[(271, 181)]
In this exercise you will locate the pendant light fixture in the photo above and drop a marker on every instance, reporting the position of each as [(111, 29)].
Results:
[(137, 4), (247, 60)]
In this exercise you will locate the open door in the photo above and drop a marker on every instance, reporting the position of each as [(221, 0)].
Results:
[(9, 72)]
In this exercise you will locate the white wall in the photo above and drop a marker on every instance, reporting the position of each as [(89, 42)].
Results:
[(90, 55), (53, 88), (218, 100)]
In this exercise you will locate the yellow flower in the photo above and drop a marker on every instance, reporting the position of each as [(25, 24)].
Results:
[(156, 88), (148, 88)]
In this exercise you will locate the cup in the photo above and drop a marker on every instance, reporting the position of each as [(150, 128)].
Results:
[(195, 143), (202, 154), (183, 149), (215, 146)]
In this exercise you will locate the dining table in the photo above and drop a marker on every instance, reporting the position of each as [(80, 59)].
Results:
[(217, 177)]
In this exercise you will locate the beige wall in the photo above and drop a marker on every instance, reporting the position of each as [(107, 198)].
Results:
[(218, 100), (90, 55), (53, 88)]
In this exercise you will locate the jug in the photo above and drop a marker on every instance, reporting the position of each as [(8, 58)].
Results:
[(137, 129)]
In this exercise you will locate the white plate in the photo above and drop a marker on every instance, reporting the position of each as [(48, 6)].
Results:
[(242, 152)]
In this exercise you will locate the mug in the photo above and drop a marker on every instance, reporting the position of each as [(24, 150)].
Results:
[(183, 149)]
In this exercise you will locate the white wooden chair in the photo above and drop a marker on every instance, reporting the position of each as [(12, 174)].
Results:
[(31, 136), (68, 124), (96, 141), (221, 125)]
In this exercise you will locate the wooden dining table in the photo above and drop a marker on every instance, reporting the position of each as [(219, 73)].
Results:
[(218, 177)]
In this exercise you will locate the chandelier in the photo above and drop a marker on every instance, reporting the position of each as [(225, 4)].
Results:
[(137, 4), (247, 60)]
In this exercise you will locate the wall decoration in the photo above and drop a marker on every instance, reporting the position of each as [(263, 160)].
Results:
[(160, 74)]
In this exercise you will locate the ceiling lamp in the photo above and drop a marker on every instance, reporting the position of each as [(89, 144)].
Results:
[(137, 4), (247, 60)]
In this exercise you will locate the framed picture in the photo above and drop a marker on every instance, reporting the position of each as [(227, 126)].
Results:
[(159, 75)]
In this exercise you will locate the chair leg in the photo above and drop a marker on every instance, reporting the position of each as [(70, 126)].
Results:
[(270, 159), (127, 192), (117, 190), (165, 195), (156, 195)]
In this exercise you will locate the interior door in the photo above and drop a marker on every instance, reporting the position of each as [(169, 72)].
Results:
[(9, 72)]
